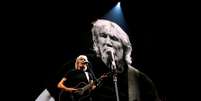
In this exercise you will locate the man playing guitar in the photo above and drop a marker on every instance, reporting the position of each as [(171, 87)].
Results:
[(77, 83)]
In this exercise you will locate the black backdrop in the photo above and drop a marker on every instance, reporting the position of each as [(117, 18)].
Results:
[(40, 37)]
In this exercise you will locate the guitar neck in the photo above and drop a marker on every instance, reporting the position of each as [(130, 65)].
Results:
[(91, 83)]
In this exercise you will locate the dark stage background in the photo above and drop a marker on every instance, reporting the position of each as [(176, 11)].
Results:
[(42, 36)]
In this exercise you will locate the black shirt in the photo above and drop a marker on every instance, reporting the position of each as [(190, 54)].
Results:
[(77, 79)]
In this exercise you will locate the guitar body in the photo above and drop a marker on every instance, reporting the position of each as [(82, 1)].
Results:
[(81, 95)]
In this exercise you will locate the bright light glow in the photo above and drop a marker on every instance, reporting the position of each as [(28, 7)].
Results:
[(116, 15), (118, 5)]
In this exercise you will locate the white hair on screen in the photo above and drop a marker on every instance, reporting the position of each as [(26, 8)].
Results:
[(102, 25)]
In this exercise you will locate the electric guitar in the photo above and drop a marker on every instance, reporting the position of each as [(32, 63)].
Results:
[(83, 91)]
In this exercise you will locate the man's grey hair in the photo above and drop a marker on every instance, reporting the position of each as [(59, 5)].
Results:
[(102, 25)]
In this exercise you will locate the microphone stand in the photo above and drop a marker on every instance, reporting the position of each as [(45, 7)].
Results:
[(113, 67)]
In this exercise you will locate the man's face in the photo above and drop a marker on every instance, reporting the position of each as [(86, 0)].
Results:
[(81, 63), (108, 42)]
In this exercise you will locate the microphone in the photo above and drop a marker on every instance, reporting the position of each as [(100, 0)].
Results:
[(111, 55), (86, 62)]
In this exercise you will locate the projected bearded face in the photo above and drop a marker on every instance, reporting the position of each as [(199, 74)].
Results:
[(106, 42)]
